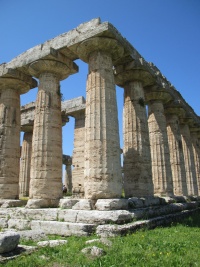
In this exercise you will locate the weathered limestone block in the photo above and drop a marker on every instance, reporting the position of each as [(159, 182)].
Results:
[(4, 217), (8, 203), (8, 241), (176, 151), (161, 210), (161, 169), (103, 177), (66, 203), (63, 228), (111, 204), (52, 243), (19, 224), (151, 201), (109, 230), (102, 217), (136, 150), (196, 150), (93, 251), (34, 235), (46, 161), (135, 202), (3, 223), (84, 204), (78, 154), (188, 153), (25, 165), (32, 214), (68, 215)]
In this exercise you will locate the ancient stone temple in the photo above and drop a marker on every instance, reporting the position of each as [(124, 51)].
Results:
[(161, 132)]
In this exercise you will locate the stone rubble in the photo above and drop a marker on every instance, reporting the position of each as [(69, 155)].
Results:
[(93, 251), (9, 240)]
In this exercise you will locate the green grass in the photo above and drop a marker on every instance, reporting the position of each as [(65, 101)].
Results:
[(174, 246)]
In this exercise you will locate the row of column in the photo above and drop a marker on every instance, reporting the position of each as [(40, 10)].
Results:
[(172, 152), (154, 144), (134, 165)]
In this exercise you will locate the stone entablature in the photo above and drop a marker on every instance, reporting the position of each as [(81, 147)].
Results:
[(68, 108)]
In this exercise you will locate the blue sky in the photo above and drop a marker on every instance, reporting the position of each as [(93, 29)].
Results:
[(165, 32)]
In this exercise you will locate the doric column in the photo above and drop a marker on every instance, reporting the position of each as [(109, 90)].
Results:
[(195, 134), (137, 159), (25, 165), (78, 154), (67, 161), (161, 169), (188, 153), (46, 161), (12, 84), (103, 176), (176, 150)]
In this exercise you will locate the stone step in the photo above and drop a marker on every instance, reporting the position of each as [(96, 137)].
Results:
[(104, 230), (108, 230), (53, 227), (21, 218), (68, 215)]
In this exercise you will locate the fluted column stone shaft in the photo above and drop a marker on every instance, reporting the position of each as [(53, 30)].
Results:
[(9, 143), (136, 150), (78, 154), (46, 161), (188, 153), (176, 155), (25, 165), (137, 158), (103, 176), (196, 151), (161, 169), (12, 84)]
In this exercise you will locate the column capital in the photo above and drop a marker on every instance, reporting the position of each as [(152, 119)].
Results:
[(58, 64), (65, 118), (195, 130), (104, 44), (187, 120), (157, 95), (172, 110), (66, 160), (27, 128), (15, 79), (135, 70)]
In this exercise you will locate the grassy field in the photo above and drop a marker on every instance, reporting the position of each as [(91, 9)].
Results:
[(177, 246)]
